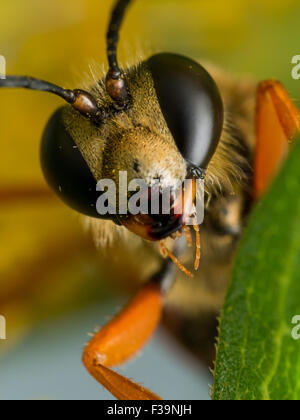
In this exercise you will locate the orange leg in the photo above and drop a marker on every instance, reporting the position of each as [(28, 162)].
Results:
[(124, 336), (277, 123), (127, 333)]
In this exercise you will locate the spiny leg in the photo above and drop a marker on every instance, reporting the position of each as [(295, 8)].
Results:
[(125, 335), (277, 123)]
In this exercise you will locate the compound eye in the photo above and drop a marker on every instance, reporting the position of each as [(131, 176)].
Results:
[(191, 104), (65, 169)]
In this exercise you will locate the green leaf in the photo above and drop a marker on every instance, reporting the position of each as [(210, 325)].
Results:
[(257, 357)]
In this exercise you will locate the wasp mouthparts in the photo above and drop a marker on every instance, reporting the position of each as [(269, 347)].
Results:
[(156, 227)]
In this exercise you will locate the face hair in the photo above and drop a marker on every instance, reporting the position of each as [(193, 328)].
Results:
[(81, 100)]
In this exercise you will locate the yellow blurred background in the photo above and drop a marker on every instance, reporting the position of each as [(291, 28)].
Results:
[(47, 264)]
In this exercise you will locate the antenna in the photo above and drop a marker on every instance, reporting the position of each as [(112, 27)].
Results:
[(82, 101), (115, 84)]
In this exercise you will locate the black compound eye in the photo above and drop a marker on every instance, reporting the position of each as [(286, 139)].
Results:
[(65, 169), (191, 104)]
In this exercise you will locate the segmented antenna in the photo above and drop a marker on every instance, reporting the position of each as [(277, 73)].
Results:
[(82, 101), (115, 84), (37, 84)]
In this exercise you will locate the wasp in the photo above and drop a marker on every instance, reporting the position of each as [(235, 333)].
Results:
[(167, 118)]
